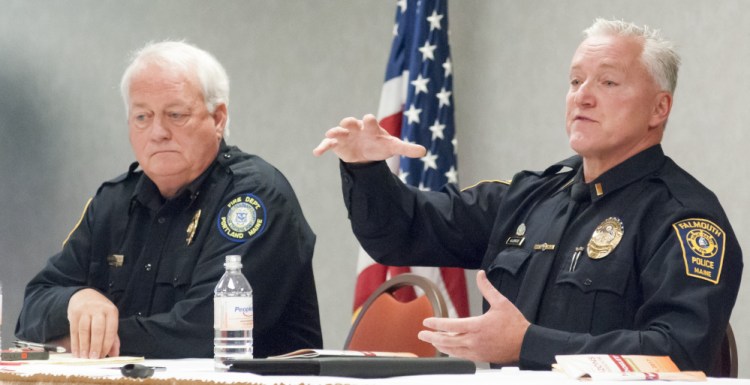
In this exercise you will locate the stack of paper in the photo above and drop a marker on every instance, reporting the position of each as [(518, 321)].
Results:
[(610, 367)]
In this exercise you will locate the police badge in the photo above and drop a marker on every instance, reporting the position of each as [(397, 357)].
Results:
[(242, 218), (605, 238)]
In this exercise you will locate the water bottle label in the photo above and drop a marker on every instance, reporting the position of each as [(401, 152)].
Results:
[(233, 313)]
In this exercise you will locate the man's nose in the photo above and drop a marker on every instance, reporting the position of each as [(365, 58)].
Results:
[(584, 95), (159, 129)]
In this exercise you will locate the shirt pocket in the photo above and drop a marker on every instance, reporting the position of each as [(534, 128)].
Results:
[(598, 292), (507, 271), (110, 274), (172, 282)]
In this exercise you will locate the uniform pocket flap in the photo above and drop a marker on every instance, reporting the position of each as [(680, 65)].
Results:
[(601, 275), (510, 260), (172, 275)]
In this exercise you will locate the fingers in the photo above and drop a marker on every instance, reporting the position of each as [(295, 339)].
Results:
[(452, 344), (358, 141), (98, 328), (370, 124), (411, 150), (440, 338), (111, 339), (331, 139), (449, 325), (325, 145), (84, 336), (351, 123), (93, 324), (488, 291), (398, 147), (74, 348), (114, 351)]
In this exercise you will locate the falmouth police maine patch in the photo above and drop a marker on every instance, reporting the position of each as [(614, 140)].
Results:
[(702, 243), (242, 218)]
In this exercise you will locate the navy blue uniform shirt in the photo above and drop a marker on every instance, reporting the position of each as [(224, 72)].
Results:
[(641, 260), (159, 260)]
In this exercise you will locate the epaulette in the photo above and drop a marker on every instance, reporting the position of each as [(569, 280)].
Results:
[(572, 163), (505, 182), (122, 177), (226, 158)]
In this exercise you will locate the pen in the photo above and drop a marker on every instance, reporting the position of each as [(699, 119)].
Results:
[(34, 345)]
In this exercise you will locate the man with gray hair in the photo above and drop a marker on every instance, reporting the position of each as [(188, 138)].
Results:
[(616, 250), (136, 276)]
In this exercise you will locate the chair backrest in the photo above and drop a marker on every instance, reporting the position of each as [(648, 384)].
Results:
[(386, 325), (726, 363)]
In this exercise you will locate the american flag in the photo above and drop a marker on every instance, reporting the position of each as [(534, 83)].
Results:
[(416, 104)]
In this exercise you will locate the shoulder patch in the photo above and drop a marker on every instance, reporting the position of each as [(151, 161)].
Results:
[(242, 218), (702, 243)]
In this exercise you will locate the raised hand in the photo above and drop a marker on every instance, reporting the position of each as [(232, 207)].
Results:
[(360, 141)]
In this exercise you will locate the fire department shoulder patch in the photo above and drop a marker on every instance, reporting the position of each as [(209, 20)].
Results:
[(702, 243), (242, 218)]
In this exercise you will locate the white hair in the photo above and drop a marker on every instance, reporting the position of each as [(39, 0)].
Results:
[(185, 58), (658, 56)]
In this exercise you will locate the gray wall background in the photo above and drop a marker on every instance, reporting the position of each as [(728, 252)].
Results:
[(297, 67)]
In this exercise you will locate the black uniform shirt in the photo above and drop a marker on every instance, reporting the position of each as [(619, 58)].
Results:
[(159, 260), (640, 261)]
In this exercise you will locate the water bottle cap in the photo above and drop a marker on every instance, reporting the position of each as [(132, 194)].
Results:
[(233, 261)]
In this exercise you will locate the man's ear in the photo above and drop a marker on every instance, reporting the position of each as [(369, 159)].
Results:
[(662, 107), (220, 119)]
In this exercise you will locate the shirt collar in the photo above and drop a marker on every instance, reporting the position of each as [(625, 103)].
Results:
[(634, 168), (147, 194)]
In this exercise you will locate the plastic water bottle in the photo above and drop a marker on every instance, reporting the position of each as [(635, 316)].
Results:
[(233, 315)]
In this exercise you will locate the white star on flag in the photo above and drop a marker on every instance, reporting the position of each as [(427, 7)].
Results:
[(448, 67), (444, 96), (420, 84), (437, 130), (434, 20), (430, 161), (413, 114), (428, 51), (452, 175), (401, 5)]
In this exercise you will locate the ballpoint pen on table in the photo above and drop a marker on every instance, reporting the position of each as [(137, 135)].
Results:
[(34, 345)]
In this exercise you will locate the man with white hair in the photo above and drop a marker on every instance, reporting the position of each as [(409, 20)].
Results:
[(616, 250), (136, 276)]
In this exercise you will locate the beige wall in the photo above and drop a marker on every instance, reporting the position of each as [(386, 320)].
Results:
[(298, 66)]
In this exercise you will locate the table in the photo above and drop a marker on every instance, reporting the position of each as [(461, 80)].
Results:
[(200, 372)]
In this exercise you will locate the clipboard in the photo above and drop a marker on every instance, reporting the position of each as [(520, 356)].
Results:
[(357, 367)]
